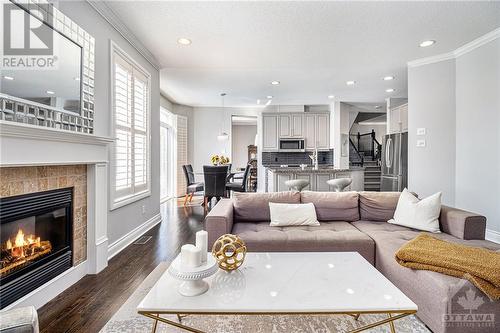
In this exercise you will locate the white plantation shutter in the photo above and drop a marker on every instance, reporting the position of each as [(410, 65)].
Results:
[(131, 130)]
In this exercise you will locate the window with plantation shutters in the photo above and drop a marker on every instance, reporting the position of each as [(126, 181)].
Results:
[(130, 106)]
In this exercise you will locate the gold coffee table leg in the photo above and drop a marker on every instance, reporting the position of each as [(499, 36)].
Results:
[(388, 320), (155, 324), (157, 318), (355, 316), (391, 324)]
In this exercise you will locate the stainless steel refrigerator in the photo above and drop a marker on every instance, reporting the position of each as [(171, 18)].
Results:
[(394, 162)]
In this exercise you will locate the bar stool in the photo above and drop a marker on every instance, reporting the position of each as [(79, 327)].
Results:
[(339, 184), (297, 184)]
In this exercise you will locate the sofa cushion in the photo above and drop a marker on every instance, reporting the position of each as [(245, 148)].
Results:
[(377, 206), (434, 289), (329, 236), (333, 206), (250, 207)]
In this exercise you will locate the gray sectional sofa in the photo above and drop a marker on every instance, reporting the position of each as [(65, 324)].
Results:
[(357, 221)]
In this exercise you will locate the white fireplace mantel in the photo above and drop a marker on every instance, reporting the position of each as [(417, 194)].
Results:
[(29, 145)]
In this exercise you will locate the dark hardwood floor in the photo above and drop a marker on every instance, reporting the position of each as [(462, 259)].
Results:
[(92, 301)]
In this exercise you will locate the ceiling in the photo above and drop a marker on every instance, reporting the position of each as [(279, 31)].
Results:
[(312, 48)]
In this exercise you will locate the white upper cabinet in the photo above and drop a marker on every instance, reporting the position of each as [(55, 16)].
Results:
[(322, 131), (285, 128), (270, 132), (313, 127), (398, 119), (297, 130), (310, 131)]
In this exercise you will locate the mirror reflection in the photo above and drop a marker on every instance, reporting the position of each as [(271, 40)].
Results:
[(58, 87)]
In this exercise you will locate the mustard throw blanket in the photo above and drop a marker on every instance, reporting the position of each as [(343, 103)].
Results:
[(480, 266)]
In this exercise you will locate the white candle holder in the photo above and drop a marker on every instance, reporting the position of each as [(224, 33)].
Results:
[(192, 277)]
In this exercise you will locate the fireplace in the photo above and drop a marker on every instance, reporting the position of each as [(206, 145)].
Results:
[(35, 240)]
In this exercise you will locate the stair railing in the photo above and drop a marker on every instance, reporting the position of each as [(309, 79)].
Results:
[(361, 157), (369, 146)]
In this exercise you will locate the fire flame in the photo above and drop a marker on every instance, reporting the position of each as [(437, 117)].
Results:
[(20, 242)]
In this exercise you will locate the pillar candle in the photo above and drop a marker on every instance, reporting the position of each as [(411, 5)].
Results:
[(202, 244), (190, 256)]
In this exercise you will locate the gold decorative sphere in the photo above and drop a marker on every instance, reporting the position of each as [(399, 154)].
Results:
[(229, 251)]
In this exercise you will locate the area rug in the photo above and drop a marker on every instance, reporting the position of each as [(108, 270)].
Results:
[(126, 320)]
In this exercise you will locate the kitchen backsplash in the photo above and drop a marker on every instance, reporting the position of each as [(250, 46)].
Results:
[(277, 158)]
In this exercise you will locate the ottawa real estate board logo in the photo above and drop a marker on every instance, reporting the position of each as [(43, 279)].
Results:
[(28, 42), (470, 308)]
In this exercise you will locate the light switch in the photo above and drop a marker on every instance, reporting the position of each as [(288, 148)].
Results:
[(421, 131), (421, 143)]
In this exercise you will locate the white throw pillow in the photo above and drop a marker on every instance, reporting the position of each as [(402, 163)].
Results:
[(418, 214), (283, 214)]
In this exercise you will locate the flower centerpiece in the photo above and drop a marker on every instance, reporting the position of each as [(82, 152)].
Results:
[(219, 159)]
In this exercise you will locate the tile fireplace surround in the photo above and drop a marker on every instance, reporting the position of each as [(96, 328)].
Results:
[(31, 179), (35, 159)]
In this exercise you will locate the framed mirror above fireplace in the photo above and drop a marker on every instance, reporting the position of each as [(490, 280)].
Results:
[(51, 86)]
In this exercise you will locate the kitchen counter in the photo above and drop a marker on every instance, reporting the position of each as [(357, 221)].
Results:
[(321, 169), (276, 176)]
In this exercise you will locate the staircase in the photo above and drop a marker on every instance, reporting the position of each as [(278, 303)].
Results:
[(372, 175)]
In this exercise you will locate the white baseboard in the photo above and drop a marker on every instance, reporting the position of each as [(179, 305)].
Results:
[(493, 236), (48, 291), (124, 241)]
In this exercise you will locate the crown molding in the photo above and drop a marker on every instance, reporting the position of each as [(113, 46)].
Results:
[(431, 60), (110, 16), (464, 49)]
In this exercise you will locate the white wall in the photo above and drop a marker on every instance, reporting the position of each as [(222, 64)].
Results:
[(341, 114), (478, 132), (458, 101), (121, 220), (431, 104), (242, 136)]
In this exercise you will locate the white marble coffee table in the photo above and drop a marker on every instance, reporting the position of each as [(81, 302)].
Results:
[(285, 283)]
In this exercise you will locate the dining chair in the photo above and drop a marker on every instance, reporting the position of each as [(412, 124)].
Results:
[(215, 182), (191, 185), (238, 181)]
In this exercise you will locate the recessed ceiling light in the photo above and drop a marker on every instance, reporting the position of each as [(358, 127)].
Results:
[(258, 101), (331, 96), (50, 92), (389, 90), (350, 83), (377, 106), (269, 102), (275, 83), (388, 78), (76, 78), (184, 41), (269, 97), (10, 78), (426, 43)]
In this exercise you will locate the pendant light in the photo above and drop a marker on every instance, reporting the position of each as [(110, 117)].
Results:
[(222, 135)]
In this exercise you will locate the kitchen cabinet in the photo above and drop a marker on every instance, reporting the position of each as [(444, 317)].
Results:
[(310, 131), (313, 127), (285, 128), (277, 176), (270, 132), (297, 128), (322, 131), (398, 119), (321, 179)]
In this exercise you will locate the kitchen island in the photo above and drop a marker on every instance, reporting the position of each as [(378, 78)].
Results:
[(276, 177)]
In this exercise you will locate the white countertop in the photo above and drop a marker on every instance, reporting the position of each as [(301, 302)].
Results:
[(291, 282)]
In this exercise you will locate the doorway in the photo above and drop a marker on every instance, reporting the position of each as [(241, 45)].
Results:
[(244, 147), (168, 143)]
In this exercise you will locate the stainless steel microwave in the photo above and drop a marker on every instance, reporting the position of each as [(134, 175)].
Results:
[(292, 145)]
